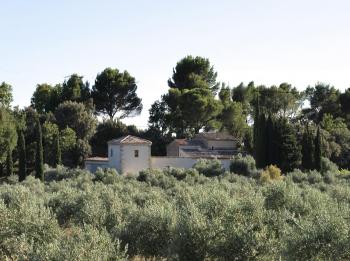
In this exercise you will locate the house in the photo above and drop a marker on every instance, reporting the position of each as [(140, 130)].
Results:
[(204, 144), (130, 154)]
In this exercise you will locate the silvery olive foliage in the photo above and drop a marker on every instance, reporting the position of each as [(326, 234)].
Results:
[(176, 214)]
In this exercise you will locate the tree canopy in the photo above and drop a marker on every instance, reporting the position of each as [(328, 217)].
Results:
[(5, 94), (115, 92)]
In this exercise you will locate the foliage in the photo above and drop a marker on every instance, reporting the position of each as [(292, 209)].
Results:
[(232, 117), (8, 134), (318, 149), (74, 89), (57, 150), (243, 165), (328, 166), (192, 91), (46, 97), (5, 95), (22, 168), (108, 130), (308, 148), (115, 92), (190, 71), (209, 168), (39, 157), (271, 173), (75, 116), (173, 214), (9, 163)]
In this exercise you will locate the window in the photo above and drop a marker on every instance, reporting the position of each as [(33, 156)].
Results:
[(111, 152), (136, 153)]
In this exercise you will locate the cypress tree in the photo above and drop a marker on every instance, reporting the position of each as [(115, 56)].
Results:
[(261, 160), (39, 167), (308, 148), (9, 163), (270, 142), (256, 130), (58, 157), (288, 149), (22, 171), (318, 150)]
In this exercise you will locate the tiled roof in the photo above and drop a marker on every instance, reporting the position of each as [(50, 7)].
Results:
[(96, 159), (208, 153), (180, 141), (214, 136), (129, 140)]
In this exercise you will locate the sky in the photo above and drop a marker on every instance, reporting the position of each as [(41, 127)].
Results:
[(266, 41)]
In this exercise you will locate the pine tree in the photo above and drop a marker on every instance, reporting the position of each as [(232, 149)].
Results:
[(22, 171), (39, 167), (9, 163), (308, 148), (288, 150), (58, 157), (318, 150)]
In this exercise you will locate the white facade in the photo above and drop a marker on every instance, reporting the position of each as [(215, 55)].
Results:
[(181, 162), (114, 157), (93, 165), (135, 158), (131, 155)]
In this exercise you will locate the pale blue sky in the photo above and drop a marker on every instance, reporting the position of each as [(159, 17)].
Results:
[(267, 41)]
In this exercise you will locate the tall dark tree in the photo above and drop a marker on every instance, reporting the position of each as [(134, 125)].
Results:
[(9, 163), (318, 149), (75, 116), (39, 160), (58, 156), (288, 150), (115, 92), (308, 148), (256, 131), (8, 134), (22, 168), (158, 118), (271, 148), (261, 157), (259, 135)]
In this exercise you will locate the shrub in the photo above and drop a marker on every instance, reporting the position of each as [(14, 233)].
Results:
[(192, 234), (314, 177), (324, 236), (243, 165), (149, 232), (175, 215), (271, 173), (275, 196), (297, 176), (209, 168), (106, 176), (327, 165)]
